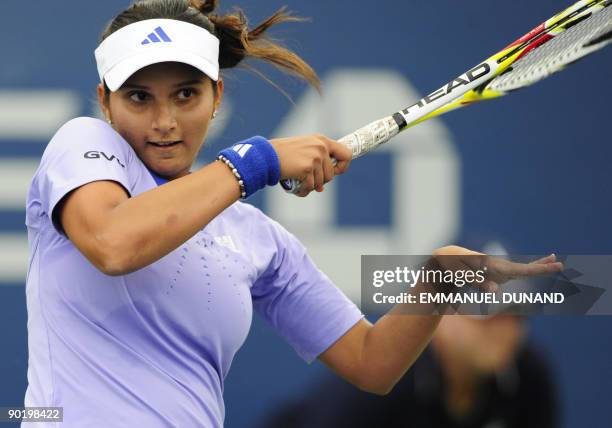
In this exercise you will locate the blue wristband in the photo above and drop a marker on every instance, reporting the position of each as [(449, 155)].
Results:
[(256, 163)]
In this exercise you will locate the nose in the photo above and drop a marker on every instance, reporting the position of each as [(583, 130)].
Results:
[(164, 120)]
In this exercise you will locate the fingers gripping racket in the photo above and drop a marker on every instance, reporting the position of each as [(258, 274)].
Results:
[(568, 36)]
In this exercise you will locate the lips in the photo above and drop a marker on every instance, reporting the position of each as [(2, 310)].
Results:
[(164, 143)]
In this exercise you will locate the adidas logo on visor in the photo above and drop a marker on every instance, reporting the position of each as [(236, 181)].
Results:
[(157, 36)]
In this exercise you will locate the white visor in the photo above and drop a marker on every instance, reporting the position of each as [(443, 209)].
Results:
[(147, 42)]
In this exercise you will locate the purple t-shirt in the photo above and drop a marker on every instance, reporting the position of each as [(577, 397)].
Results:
[(153, 347)]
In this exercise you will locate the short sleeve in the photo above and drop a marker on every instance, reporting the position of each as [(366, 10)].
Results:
[(300, 301), (82, 151)]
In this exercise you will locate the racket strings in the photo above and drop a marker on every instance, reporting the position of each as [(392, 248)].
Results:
[(579, 40)]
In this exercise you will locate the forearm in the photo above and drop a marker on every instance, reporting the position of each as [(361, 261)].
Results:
[(397, 339), (147, 227), (375, 357), (392, 345)]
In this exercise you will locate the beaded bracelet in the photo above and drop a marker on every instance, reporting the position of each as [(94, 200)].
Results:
[(236, 174)]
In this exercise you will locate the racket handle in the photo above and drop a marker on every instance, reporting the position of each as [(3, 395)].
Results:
[(360, 142)]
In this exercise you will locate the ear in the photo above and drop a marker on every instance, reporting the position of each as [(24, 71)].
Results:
[(103, 102), (218, 95)]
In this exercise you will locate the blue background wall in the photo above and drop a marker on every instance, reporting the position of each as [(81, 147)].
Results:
[(535, 166)]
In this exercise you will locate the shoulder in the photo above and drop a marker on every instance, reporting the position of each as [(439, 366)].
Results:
[(83, 125), (85, 149), (84, 121), (89, 134)]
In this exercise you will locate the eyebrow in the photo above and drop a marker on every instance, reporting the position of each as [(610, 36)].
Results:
[(186, 83)]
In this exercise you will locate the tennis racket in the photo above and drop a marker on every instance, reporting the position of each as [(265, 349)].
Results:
[(568, 36)]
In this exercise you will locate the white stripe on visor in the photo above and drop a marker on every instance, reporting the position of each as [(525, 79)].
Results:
[(148, 42)]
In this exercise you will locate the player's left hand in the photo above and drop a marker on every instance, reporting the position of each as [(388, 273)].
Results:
[(499, 271)]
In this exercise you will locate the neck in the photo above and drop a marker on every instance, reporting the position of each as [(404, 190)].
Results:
[(160, 179), (462, 382)]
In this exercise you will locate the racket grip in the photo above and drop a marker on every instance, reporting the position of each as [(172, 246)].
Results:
[(292, 185), (360, 142)]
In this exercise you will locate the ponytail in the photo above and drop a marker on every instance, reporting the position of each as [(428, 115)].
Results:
[(237, 42)]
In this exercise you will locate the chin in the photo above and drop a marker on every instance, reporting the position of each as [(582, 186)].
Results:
[(177, 173), (168, 167)]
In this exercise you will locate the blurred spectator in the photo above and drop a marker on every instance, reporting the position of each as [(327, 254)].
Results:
[(477, 373)]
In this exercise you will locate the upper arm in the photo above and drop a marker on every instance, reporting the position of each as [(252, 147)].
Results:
[(84, 174), (83, 214)]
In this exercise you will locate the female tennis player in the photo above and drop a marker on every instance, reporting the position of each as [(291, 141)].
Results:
[(144, 274)]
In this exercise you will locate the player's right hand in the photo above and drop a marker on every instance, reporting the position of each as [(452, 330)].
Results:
[(308, 159)]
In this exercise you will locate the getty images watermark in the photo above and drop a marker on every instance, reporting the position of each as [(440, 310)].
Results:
[(484, 285)]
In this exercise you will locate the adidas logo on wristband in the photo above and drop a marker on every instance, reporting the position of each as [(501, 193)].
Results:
[(260, 168), (241, 149)]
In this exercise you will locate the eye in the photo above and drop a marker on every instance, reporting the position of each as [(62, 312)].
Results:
[(186, 93), (139, 96)]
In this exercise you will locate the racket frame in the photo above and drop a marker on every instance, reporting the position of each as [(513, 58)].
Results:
[(466, 89)]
